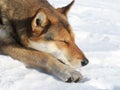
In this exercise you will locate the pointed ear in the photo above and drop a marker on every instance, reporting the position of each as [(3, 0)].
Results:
[(65, 10), (39, 22)]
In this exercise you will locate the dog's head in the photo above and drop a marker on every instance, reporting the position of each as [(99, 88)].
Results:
[(53, 34)]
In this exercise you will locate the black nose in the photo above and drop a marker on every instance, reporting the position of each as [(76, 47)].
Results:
[(84, 62)]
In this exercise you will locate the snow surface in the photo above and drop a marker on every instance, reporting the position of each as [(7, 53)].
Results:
[(96, 24)]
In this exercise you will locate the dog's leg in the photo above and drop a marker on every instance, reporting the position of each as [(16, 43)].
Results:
[(43, 61)]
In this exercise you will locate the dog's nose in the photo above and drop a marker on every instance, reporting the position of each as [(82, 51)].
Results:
[(84, 62)]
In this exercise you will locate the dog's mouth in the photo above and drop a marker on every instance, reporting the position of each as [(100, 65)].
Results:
[(66, 63), (60, 61)]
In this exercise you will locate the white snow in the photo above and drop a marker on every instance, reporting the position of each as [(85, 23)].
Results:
[(96, 24)]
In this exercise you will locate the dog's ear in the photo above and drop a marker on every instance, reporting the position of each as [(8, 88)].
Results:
[(39, 22), (65, 10)]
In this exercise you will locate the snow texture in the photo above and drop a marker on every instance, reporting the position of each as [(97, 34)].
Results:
[(96, 24)]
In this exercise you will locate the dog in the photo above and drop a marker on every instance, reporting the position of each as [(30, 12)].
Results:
[(39, 35)]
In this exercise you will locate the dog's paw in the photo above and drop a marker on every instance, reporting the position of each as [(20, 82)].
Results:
[(70, 75), (74, 77)]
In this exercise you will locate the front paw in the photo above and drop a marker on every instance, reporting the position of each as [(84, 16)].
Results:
[(69, 75)]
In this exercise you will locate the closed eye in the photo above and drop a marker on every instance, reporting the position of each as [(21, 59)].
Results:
[(67, 43)]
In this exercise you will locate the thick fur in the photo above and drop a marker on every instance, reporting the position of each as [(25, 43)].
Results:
[(37, 34)]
